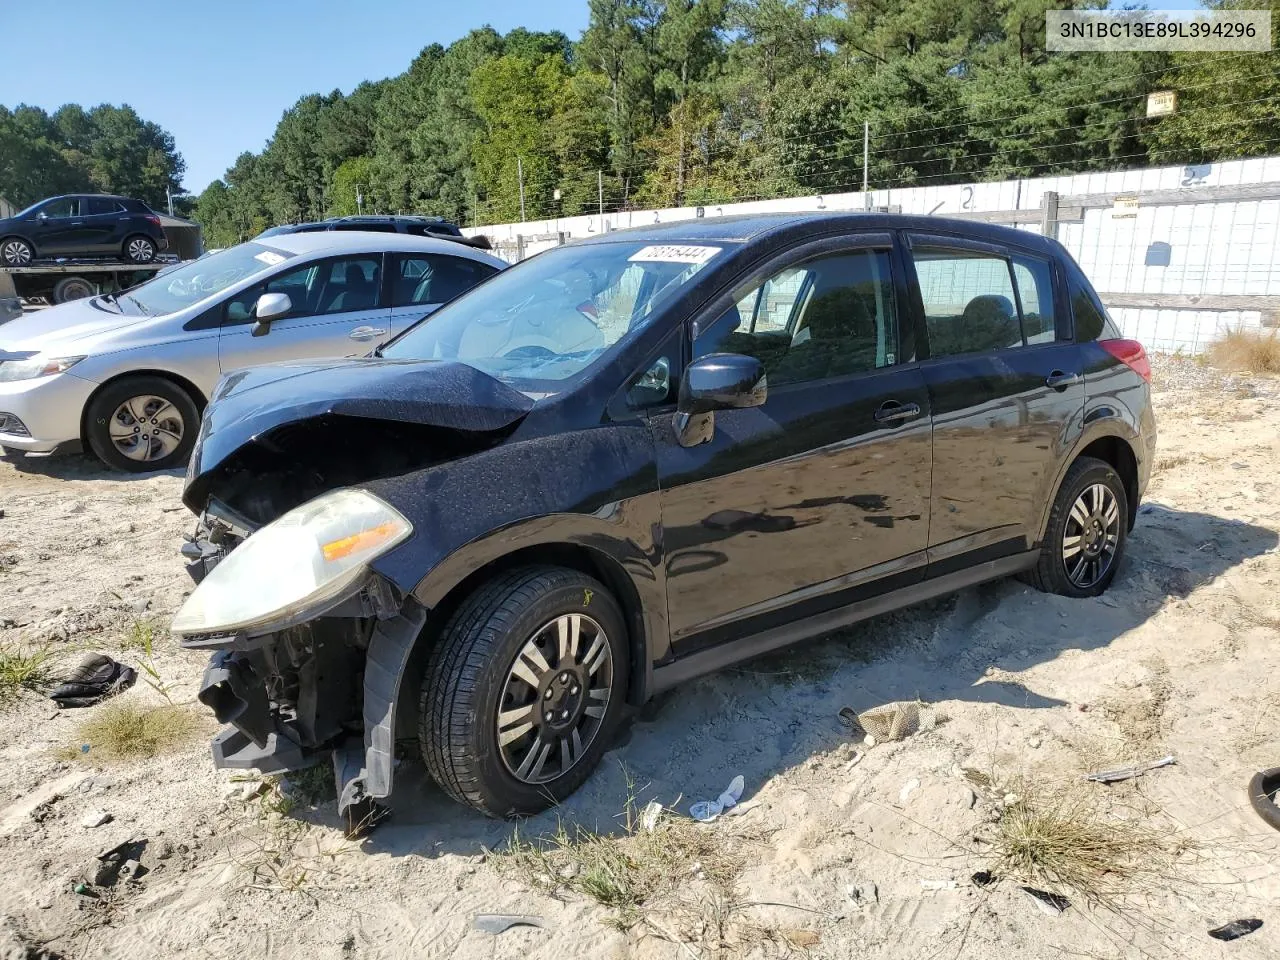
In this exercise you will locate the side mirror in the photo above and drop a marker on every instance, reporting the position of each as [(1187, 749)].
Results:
[(719, 381), (270, 306)]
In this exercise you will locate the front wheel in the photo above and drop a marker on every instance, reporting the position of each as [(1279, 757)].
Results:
[(523, 690), (139, 250), (1086, 534), (142, 423)]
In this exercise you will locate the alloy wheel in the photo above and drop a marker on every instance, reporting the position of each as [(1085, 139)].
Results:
[(555, 698), (16, 253), (1091, 536), (140, 250), (146, 428)]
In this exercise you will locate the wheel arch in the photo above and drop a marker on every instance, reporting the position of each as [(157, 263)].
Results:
[(195, 393), (590, 560), (1112, 445)]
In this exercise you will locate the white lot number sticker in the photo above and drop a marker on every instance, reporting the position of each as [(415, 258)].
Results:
[(674, 253), (269, 257)]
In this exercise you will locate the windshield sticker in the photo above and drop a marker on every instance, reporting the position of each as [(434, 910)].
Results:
[(269, 257), (674, 253)]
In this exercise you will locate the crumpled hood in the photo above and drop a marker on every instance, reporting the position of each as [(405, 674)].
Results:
[(71, 328), (249, 405)]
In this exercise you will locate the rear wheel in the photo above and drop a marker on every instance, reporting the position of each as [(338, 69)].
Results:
[(523, 690), (142, 423), (71, 288), (1086, 534), (16, 253), (139, 249)]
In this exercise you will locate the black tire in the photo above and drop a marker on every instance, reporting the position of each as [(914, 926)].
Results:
[(16, 252), (71, 288), (139, 249), (105, 406), (1051, 573), (471, 669)]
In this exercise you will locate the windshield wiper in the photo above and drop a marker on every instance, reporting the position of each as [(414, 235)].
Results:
[(138, 303)]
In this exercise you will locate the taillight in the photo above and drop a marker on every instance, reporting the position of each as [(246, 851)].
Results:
[(1131, 354), (151, 218)]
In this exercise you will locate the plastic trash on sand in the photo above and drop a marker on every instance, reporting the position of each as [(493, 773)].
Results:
[(707, 810), (650, 815)]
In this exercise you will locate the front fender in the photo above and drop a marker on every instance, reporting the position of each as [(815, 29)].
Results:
[(594, 489)]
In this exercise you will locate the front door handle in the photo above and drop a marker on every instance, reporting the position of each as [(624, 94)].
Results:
[(366, 333), (1060, 381), (891, 411)]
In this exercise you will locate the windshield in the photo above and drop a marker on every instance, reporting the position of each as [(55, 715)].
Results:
[(30, 210), (190, 283), (552, 316)]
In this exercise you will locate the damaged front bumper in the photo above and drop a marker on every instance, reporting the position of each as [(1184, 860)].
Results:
[(295, 693)]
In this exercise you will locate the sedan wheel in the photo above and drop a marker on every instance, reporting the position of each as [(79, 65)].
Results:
[(16, 253), (522, 689), (1091, 536), (555, 698), (147, 429)]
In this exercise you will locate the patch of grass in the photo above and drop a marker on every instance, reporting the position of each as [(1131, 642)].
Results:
[(1252, 351), (124, 730), (22, 671), (141, 637), (1070, 838), (1172, 462), (630, 872)]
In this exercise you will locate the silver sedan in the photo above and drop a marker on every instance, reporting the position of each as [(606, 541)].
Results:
[(129, 374)]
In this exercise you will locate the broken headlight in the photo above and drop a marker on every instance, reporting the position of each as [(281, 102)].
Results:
[(307, 560)]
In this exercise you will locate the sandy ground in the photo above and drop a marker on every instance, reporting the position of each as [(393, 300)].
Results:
[(1180, 657)]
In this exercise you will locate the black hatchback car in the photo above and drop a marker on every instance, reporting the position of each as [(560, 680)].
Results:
[(82, 225), (629, 461)]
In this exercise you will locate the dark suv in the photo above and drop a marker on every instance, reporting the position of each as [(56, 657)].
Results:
[(632, 460), (414, 225), (82, 225)]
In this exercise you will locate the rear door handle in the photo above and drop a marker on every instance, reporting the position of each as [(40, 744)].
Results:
[(891, 411), (366, 333), (1060, 381)]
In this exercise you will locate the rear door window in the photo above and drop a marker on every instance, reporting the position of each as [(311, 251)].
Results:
[(434, 278), (1035, 294), (100, 206), (968, 298)]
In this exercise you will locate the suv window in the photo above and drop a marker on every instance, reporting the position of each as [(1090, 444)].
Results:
[(828, 317), (1091, 319), (434, 278), (62, 207), (100, 206), (968, 298)]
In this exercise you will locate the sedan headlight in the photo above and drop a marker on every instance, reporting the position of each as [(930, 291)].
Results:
[(305, 560), (36, 366)]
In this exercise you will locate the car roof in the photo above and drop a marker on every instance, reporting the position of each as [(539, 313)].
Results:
[(326, 242), (744, 227)]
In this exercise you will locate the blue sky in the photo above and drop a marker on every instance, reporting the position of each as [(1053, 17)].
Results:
[(218, 74)]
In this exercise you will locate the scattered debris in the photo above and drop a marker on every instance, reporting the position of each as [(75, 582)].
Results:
[(802, 938), (937, 884), (1129, 773), (1051, 904), (497, 923), (95, 818), (650, 815), (858, 895), (908, 788), (707, 810), (122, 860), (892, 721), (983, 878), (93, 679), (1235, 929)]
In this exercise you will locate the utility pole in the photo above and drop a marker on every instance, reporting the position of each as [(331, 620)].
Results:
[(169, 197), (520, 175), (600, 195), (866, 158), (359, 200)]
